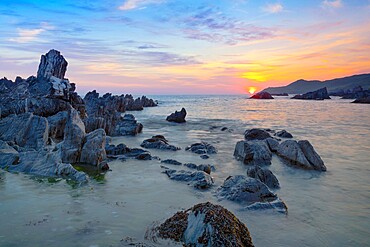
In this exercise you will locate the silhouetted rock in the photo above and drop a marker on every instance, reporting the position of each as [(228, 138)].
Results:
[(320, 94), (364, 100), (279, 94), (283, 134), (262, 95), (263, 175), (177, 117), (158, 142), (256, 134), (356, 93), (197, 179), (206, 224)]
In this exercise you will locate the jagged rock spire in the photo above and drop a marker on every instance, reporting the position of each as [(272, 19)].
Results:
[(52, 64)]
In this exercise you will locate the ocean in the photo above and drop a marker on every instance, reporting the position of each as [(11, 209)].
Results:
[(324, 208)]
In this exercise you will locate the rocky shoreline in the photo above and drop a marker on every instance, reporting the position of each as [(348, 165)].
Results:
[(46, 129)]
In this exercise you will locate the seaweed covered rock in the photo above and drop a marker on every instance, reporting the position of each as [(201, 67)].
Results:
[(206, 224)]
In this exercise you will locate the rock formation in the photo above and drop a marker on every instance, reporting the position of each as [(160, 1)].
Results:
[(256, 134), (177, 116), (320, 94), (264, 175), (158, 142), (201, 148), (197, 179), (52, 64), (262, 95), (205, 224), (283, 134), (253, 152)]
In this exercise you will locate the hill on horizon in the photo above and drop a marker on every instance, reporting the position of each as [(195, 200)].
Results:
[(303, 86)]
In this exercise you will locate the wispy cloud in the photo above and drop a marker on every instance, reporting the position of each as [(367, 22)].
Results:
[(332, 3), (273, 8), (133, 4), (29, 35)]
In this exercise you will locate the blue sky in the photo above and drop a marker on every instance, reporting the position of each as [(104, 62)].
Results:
[(178, 46)]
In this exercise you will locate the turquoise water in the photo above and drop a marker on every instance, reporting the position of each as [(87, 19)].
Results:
[(324, 209)]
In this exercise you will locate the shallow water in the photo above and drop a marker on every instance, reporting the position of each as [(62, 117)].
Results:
[(324, 209)]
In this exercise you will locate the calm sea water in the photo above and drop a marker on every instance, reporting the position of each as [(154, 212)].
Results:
[(325, 209)]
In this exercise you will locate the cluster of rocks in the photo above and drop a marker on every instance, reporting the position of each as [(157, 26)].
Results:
[(320, 94), (123, 152), (45, 126), (205, 224)]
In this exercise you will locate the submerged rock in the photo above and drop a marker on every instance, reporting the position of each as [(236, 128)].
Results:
[(264, 175), (201, 148), (292, 151), (256, 134), (158, 142), (320, 94), (262, 95), (206, 224), (197, 179), (253, 152), (177, 117)]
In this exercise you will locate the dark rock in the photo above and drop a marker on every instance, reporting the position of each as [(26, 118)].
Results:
[(283, 134), (363, 100), (253, 152), (320, 94), (93, 149), (204, 156), (158, 142), (279, 94), (264, 175), (292, 151), (201, 148), (25, 130), (172, 162), (116, 150), (311, 155), (272, 143), (206, 168), (256, 134), (355, 93), (262, 95), (197, 179), (128, 126), (177, 117), (52, 64), (206, 224), (224, 128)]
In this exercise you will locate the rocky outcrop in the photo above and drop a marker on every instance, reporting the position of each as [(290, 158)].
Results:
[(128, 126), (205, 224), (93, 149), (283, 134), (25, 130), (196, 179), (247, 191), (201, 148), (177, 116), (320, 94), (262, 95), (158, 142), (256, 134), (354, 93), (301, 154), (57, 124), (253, 152), (264, 175), (52, 64)]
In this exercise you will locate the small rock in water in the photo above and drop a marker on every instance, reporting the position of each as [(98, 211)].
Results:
[(256, 134), (283, 134), (264, 175), (197, 179), (201, 148), (172, 162), (177, 117), (204, 156), (158, 142)]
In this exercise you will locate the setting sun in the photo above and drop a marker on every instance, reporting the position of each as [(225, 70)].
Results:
[(251, 90)]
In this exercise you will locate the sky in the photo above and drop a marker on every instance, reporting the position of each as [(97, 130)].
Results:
[(187, 46)]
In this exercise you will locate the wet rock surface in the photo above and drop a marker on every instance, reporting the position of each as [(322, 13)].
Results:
[(253, 152), (201, 148), (177, 116), (264, 175), (197, 179), (205, 224), (158, 142), (256, 134)]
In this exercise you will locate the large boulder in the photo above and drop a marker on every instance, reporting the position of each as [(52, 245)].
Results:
[(57, 124), (206, 224), (177, 116), (158, 142), (320, 94), (93, 150), (52, 64), (251, 193), (197, 179), (301, 155), (25, 130), (128, 126), (253, 152), (74, 135), (264, 175), (256, 134), (262, 95)]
